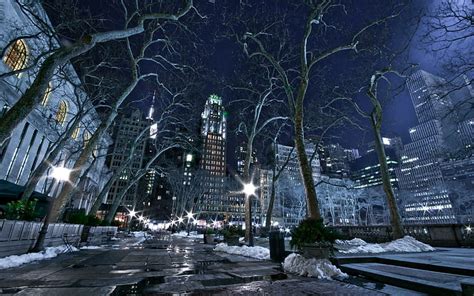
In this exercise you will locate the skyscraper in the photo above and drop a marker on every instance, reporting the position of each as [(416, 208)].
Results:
[(128, 133), (425, 195), (213, 158)]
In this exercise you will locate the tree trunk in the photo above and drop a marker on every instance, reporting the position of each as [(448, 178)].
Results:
[(76, 172), (385, 174), (268, 218), (305, 167), (116, 203), (98, 201)]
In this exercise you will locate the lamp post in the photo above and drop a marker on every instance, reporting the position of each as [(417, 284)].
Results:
[(59, 174), (249, 190)]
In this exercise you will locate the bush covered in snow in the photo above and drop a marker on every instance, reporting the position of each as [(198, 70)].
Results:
[(254, 252), (320, 268), (17, 260), (405, 244)]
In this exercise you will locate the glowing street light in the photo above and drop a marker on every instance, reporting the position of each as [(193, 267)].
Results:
[(141, 218), (190, 215), (468, 229), (249, 189), (180, 219), (132, 213), (61, 173)]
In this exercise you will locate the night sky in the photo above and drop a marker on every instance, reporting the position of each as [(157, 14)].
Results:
[(219, 58)]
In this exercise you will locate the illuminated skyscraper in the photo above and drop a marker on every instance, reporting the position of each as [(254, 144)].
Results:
[(213, 160)]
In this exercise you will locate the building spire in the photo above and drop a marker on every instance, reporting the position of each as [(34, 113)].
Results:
[(152, 108)]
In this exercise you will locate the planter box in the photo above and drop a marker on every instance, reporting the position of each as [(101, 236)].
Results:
[(209, 238), (232, 240), (316, 251)]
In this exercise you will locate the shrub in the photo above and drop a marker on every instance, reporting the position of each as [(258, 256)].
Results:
[(232, 231), (311, 231), (80, 217), (209, 231), (21, 210)]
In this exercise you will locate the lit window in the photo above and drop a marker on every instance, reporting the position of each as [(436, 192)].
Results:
[(86, 137), (62, 112), (75, 133), (46, 95), (16, 55)]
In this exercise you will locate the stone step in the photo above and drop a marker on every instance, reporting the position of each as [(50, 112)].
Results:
[(447, 264), (430, 282)]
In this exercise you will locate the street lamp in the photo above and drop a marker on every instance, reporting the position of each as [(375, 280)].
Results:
[(132, 213), (61, 173), (249, 190)]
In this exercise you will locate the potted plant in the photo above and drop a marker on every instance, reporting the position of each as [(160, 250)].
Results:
[(209, 236), (313, 239), (232, 235)]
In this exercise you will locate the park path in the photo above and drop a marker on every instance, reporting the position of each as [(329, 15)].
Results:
[(166, 266)]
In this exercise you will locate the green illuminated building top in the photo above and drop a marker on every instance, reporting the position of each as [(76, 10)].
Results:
[(215, 99)]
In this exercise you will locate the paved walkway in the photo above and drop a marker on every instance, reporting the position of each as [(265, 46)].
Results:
[(165, 267)]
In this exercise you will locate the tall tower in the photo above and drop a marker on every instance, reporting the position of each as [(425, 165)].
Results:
[(213, 163), (425, 197)]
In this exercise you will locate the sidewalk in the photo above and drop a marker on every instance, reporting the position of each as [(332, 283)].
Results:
[(162, 267)]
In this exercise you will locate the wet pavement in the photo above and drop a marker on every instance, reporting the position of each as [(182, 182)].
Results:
[(168, 266)]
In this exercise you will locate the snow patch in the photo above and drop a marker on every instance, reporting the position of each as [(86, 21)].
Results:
[(50, 252), (91, 247), (192, 234), (405, 244), (320, 268), (353, 242), (253, 252)]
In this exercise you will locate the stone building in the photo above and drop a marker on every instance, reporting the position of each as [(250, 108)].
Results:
[(35, 136)]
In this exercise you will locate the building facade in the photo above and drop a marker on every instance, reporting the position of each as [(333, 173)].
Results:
[(214, 201), (436, 142), (126, 157), (35, 136)]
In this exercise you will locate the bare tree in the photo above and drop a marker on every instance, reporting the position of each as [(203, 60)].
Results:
[(313, 51), (187, 190), (260, 102), (136, 22)]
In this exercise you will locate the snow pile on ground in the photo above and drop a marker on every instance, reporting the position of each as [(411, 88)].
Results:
[(352, 242), (192, 234), (253, 252), (141, 235), (320, 268), (17, 260), (405, 244)]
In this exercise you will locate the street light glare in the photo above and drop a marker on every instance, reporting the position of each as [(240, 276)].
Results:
[(141, 218), (60, 173), (132, 213), (249, 189), (190, 215)]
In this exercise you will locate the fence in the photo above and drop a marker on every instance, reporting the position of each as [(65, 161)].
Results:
[(17, 237), (438, 235)]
